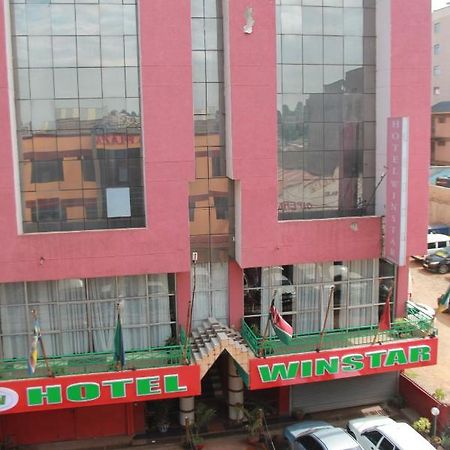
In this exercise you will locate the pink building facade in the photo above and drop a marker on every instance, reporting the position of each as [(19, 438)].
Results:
[(274, 188)]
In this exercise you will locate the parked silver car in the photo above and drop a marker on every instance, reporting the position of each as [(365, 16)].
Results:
[(318, 435), (382, 432)]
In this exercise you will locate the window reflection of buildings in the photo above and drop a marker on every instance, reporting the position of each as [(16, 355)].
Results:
[(321, 153), (211, 196), (66, 171)]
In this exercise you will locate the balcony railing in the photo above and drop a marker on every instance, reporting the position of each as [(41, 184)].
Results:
[(416, 324), (96, 362)]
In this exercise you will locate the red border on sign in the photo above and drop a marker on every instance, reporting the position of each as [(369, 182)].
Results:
[(341, 363), (99, 389)]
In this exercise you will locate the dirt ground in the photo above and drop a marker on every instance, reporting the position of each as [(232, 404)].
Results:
[(426, 287)]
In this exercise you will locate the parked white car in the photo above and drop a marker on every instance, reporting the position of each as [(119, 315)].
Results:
[(384, 433)]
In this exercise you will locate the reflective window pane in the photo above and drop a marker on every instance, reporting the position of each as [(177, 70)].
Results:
[(291, 49), (312, 20), (38, 20), (40, 51), (321, 120), (76, 77), (41, 83), (88, 51), (291, 19), (112, 51), (64, 51), (111, 20), (113, 80), (87, 19), (63, 19), (90, 84), (66, 84)]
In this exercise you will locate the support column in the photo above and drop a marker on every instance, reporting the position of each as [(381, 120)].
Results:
[(402, 290), (187, 410), (235, 392)]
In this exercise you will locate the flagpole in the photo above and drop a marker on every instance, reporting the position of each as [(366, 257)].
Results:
[(190, 309), (388, 299), (41, 342), (322, 332), (266, 331)]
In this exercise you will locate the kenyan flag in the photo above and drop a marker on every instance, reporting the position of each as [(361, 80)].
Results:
[(282, 329)]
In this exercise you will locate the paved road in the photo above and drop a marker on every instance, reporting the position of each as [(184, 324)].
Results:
[(426, 287)]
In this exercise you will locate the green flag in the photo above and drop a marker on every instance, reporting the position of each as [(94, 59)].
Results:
[(119, 352)]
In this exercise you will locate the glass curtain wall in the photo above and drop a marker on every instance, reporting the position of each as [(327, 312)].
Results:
[(77, 94), (303, 294), (79, 315), (211, 195), (326, 108)]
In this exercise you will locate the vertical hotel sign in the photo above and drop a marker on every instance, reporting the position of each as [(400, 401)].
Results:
[(397, 190)]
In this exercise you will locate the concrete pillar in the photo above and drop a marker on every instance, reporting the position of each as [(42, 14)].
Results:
[(235, 392), (187, 410)]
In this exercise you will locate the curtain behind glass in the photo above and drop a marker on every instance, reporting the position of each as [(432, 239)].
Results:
[(102, 293), (43, 296), (132, 296), (219, 294), (73, 313), (14, 319), (159, 303), (211, 292), (201, 307)]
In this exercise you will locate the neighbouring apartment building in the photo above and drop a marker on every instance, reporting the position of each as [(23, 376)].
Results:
[(440, 81), (440, 134), (189, 163), (440, 96)]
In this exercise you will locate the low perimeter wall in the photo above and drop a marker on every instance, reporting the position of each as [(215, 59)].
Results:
[(422, 402)]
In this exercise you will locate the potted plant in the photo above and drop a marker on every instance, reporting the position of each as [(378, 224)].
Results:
[(203, 416), (254, 423), (198, 442)]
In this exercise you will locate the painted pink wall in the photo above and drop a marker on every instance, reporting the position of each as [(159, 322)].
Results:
[(169, 165), (410, 97), (263, 240)]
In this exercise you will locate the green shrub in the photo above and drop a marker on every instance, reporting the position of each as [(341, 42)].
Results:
[(422, 425), (445, 441), (439, 394)]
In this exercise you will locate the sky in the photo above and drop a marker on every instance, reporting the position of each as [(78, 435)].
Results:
[(436, 4)]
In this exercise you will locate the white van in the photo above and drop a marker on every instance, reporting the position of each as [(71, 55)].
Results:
[(437, 241)]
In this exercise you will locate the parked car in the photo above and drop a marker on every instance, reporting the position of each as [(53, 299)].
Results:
[(438, 262), (443, 181), (382, 432), (318, 435)]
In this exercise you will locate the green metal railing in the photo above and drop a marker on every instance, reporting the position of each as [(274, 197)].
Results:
[(415, 325), (164, 356)]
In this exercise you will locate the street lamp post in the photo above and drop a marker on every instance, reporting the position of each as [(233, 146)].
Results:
[(435, 413)]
